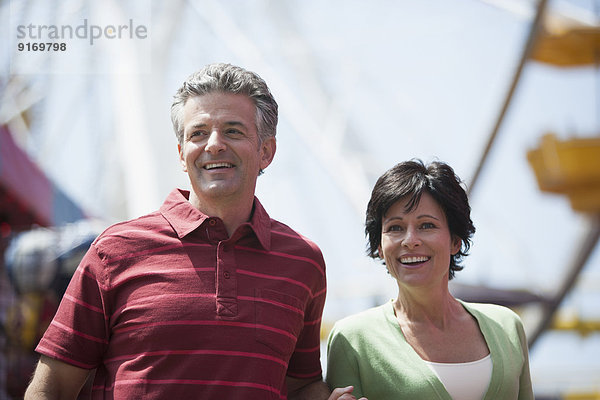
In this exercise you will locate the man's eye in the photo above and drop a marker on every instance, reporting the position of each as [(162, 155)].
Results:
[(234, 132)]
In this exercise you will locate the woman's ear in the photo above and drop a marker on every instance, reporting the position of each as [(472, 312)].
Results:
[(456, 245)]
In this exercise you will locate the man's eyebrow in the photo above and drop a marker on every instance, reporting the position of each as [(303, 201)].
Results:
[(197, 126), (236, 123), (200, 125)]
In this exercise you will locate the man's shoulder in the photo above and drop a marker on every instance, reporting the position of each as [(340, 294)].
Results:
[(283, 236), (279, 228), (134, 231)]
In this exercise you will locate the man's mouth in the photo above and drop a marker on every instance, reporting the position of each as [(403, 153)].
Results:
[(414, 260), (219, 165)]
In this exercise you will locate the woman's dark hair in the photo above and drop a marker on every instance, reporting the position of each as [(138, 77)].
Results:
[(409, 180)]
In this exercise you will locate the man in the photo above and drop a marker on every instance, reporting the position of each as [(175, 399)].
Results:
[(207, 297)]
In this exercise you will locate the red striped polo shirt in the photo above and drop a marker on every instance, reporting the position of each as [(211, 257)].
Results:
[(167, 306)]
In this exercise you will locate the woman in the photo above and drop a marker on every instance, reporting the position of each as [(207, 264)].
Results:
[(426, 344)]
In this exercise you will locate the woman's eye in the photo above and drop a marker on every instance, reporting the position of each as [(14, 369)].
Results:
[(427, 225), (394, 228)]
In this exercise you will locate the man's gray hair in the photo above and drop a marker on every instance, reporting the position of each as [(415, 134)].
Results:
[(227, 78)]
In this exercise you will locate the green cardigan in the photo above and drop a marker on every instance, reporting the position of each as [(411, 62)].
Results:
[(369, 351)]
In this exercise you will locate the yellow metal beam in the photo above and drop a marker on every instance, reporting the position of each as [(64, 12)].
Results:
[(570, 167), (581, 396), (575, 47), (583, 327)]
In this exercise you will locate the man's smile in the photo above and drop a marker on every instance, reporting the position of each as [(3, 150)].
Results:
[(218, 165)]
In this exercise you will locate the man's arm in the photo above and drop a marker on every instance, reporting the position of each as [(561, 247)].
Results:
[(56, 380), (309, 389)]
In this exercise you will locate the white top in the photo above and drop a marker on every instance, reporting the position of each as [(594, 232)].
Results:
[(464, 381)]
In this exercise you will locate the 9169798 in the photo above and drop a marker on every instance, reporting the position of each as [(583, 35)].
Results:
[(42, 46)]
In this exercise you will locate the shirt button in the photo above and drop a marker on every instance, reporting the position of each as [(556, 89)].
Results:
[(226, 274), (212, 222)]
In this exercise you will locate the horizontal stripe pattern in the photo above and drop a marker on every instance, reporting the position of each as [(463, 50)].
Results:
[(198, 382), (228, 353), (163, 306), (70, 330)]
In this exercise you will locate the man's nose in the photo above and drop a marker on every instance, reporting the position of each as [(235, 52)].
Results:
[(215, 142)]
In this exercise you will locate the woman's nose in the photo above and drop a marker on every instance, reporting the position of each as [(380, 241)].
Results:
[(411, 238)]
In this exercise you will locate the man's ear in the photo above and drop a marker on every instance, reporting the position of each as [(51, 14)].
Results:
[(267, 148), (181, 159)]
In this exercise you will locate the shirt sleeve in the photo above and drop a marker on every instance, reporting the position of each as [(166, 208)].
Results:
[(306, 359), (342, 366), (78, 334), (525, 386)]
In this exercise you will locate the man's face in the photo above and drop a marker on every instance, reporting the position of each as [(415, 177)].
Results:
[(221, 150)]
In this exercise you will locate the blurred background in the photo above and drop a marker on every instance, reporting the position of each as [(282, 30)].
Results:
[(505, 91)]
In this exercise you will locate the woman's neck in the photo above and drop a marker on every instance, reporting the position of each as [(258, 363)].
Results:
[(418, 305)]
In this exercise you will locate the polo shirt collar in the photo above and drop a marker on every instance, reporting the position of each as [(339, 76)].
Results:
[(261, 224), (179, 212), (185, 218)]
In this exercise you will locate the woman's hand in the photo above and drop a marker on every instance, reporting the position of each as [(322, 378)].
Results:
[(344, 394)]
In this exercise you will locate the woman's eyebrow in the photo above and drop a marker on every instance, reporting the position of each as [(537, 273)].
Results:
[(428, 216)]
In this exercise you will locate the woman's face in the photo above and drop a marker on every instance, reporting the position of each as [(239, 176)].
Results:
[(417, 245)]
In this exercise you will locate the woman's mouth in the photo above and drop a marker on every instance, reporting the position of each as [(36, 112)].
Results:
[(414, 260)]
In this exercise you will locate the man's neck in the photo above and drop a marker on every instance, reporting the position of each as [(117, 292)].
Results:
[(232, 213)]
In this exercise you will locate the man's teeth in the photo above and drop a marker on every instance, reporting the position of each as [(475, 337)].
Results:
[(412, 260), (218, 165)]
